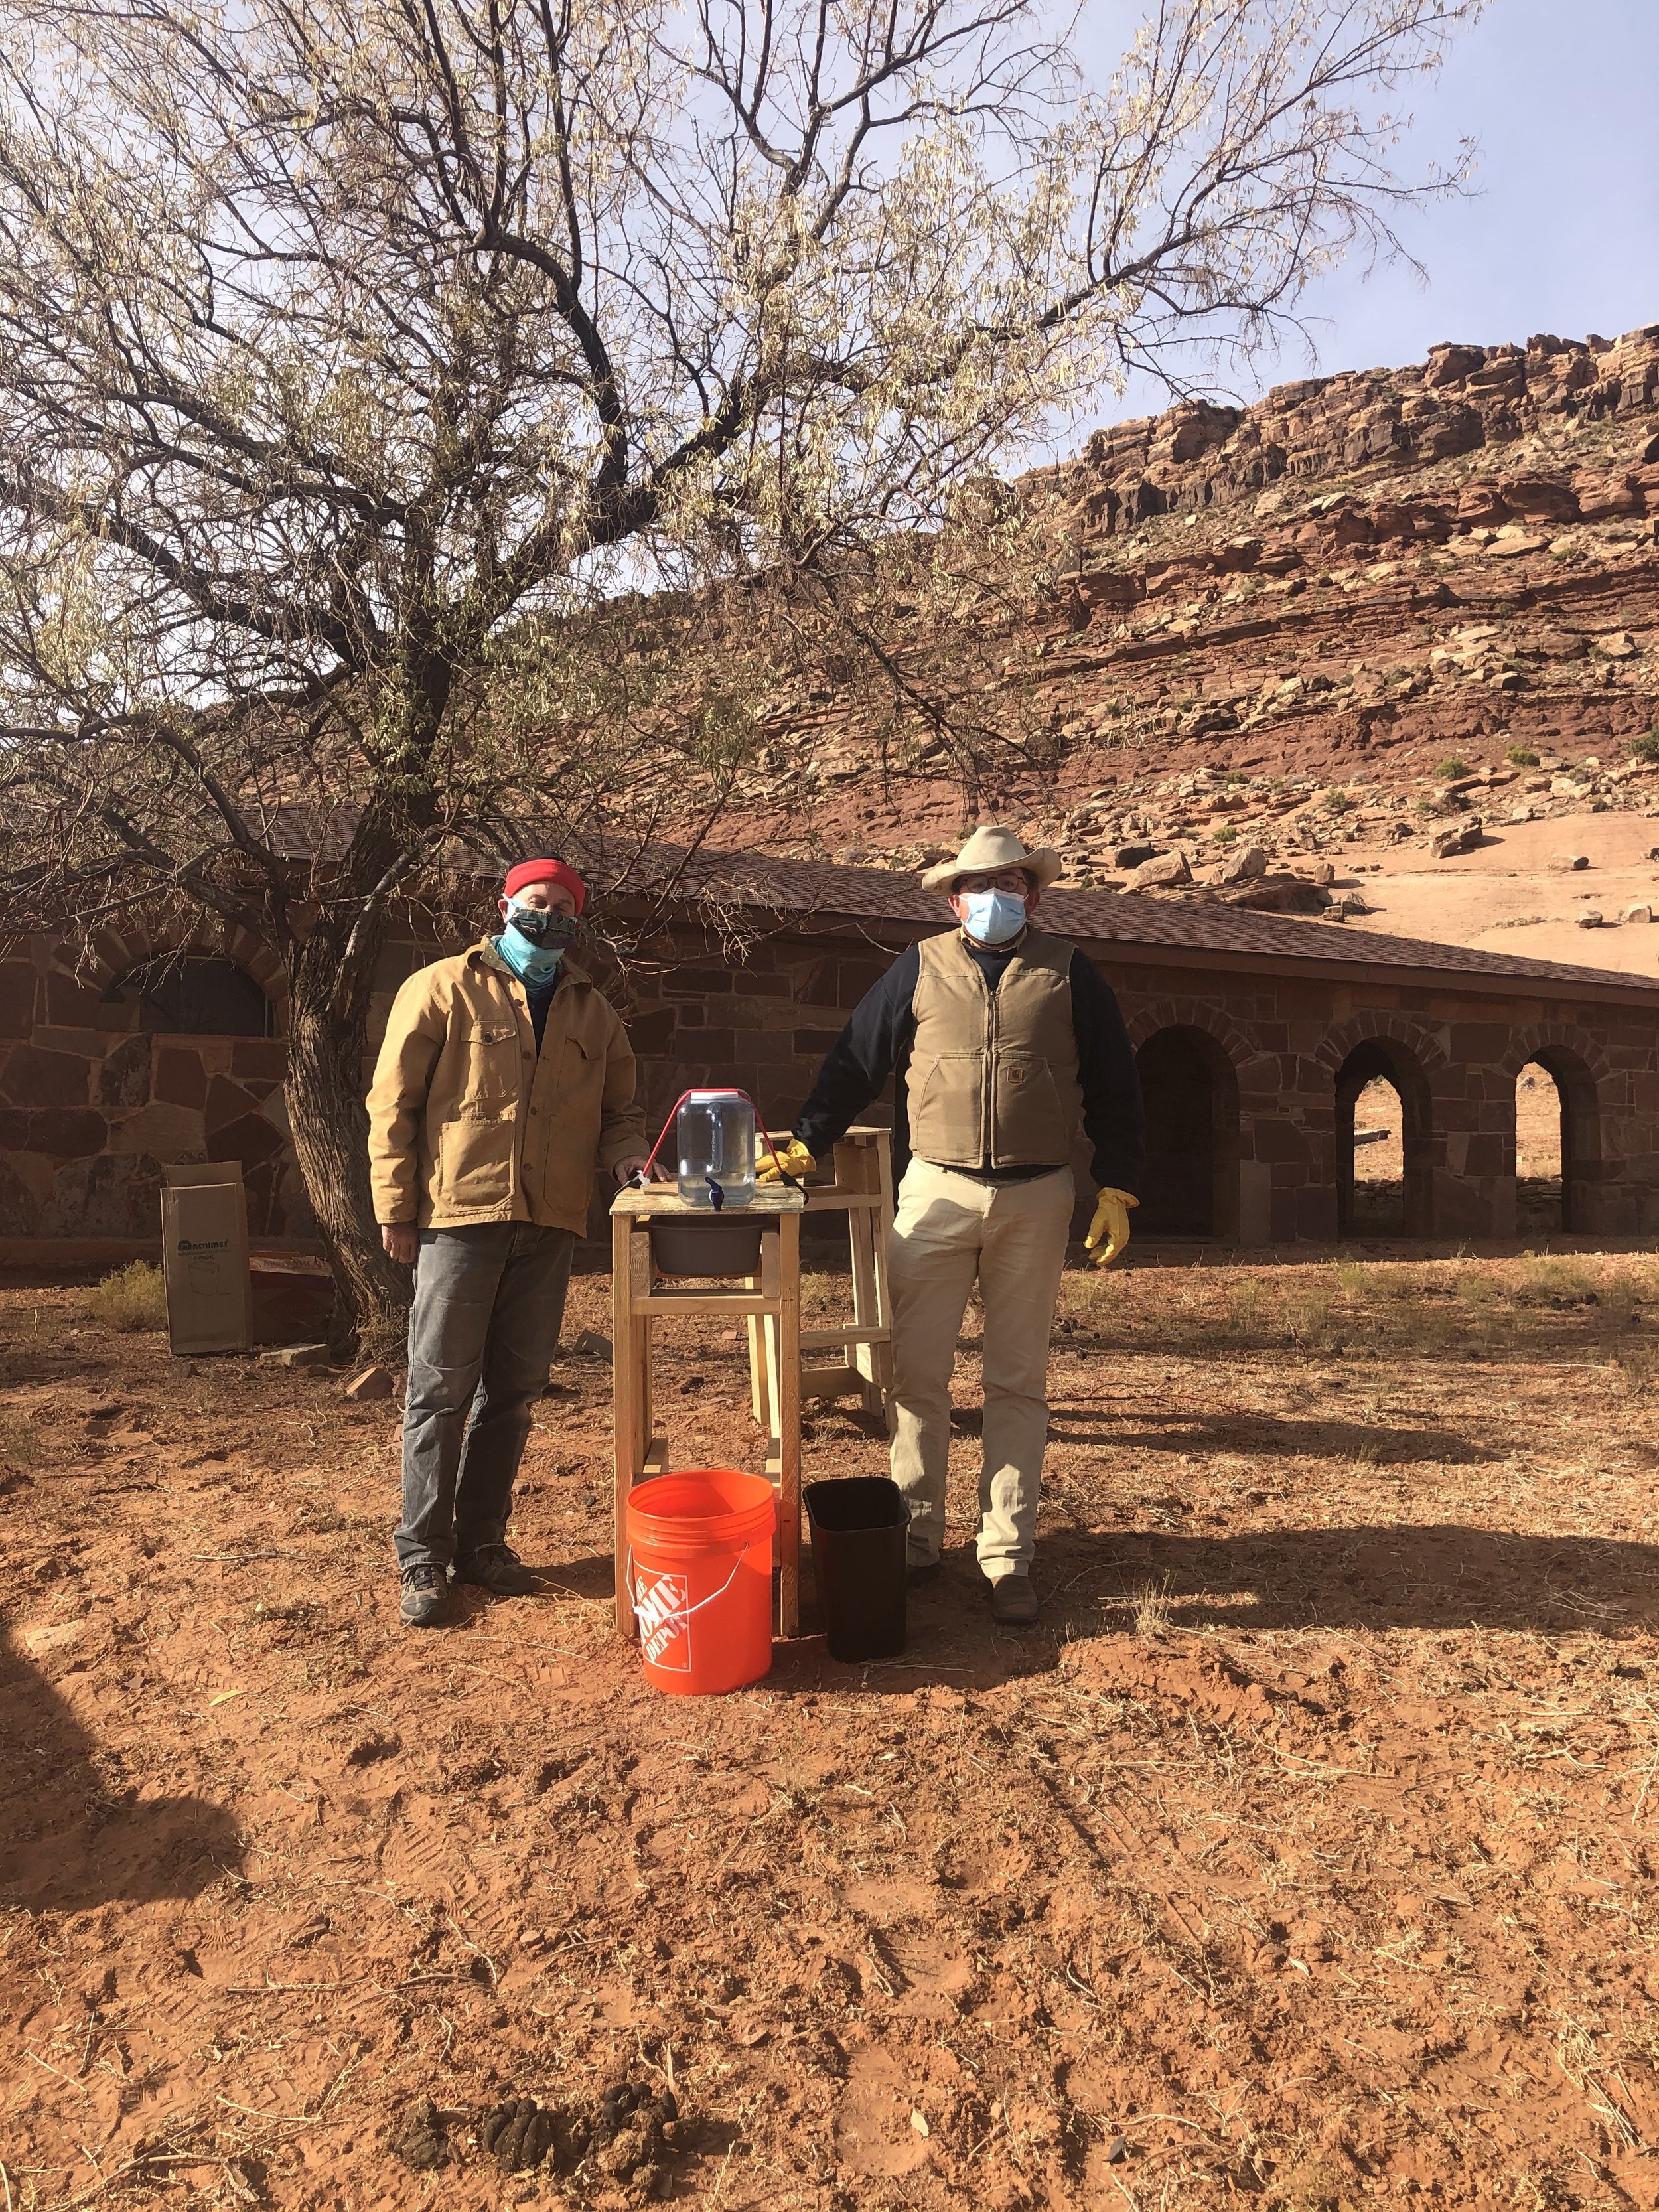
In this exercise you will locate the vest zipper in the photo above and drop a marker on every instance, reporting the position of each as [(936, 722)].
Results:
[(987, 1095)]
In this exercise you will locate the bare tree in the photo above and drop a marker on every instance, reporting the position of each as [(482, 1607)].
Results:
[(354, 359)]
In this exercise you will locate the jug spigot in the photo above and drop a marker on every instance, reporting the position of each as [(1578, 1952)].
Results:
[(716, 1193)]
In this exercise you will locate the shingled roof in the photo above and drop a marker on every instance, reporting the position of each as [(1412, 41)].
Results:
[(1176, 932), (1125, 923)]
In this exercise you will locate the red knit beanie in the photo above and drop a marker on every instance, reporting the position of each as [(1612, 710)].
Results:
[(547, 871)]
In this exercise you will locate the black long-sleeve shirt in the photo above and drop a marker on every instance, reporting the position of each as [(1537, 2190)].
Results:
[(877, 1042)]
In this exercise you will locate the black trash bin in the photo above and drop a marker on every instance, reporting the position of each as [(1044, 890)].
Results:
[(859, 1528)]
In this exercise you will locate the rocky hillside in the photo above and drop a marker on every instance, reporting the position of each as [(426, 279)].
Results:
[(1372, 622)]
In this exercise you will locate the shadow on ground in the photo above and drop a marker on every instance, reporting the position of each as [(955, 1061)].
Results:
[(1444, 1577), (1267, 1436), (67, 1841)]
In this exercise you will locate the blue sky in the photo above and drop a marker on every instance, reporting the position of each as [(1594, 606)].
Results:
[(1561, 233)]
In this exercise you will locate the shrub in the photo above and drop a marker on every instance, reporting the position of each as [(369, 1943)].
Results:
[(133, 1297), (1226, 835), (1520, 756), (1337, 802), (20, 1445), (1646, 747), (1453, 767)]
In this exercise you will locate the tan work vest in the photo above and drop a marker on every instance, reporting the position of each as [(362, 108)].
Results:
[(992, 1080)]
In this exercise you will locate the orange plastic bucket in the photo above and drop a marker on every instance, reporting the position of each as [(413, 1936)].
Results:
[(700, 1576)]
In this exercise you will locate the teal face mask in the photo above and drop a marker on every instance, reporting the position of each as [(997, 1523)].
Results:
[(533, 943), (992, 917)]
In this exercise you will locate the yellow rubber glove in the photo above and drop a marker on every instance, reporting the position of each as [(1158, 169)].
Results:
[(793, 1159), (1111, 1221)]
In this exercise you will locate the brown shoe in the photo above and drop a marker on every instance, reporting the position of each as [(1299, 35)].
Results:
[(1013, 1601)]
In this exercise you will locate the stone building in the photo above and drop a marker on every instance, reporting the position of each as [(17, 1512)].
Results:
[(1256, 1033)]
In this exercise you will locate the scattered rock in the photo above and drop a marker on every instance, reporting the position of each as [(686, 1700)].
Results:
[(1135, 856), (1639, 913), (1247, 866), (372, 1382), (1590, 917), (296, 1355), (419, 2137), (590, 1345), (1279, 895), (57, 1637), (1570, 860), (1450, 842), (1168, 869), (1616, 645)]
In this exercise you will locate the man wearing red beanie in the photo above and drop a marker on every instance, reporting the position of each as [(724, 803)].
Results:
[(504, 1082)]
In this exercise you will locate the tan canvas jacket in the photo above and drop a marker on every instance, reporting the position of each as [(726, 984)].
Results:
[(467, 1123)]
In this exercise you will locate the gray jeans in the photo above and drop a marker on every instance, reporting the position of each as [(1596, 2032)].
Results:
[(488, 1304)]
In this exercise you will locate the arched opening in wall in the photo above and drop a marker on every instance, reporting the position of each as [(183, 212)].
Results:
[(1540, 1112), (1383, 1183), (1558, 1144), (1191, 1091), (191, 994)]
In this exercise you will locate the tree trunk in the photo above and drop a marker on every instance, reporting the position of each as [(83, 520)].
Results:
[(329, 996), (330, 979)]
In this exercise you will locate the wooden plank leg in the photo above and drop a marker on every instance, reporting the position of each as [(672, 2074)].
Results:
[(770, 1327), (881, 1226), (862, 1233), (760, 1389), (788, 1428), (625, 1412)]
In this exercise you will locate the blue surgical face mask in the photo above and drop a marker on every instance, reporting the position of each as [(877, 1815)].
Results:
[(532, 943), (992, 917)]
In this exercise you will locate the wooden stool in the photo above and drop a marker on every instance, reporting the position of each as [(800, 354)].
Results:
[(770, 1299), (863, 1191)]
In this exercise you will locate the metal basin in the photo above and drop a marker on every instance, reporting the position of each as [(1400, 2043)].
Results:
[(707, 1245)]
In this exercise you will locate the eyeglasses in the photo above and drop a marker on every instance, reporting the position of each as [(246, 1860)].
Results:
[(1010, 879)]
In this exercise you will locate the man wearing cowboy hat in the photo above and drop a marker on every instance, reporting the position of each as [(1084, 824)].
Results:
[(1000, 1042), (504, 1081)]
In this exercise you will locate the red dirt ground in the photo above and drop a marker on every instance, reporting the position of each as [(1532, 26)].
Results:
[(1303, 1857)]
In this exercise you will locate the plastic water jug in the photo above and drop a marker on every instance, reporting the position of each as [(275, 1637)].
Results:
[(715, 1137)]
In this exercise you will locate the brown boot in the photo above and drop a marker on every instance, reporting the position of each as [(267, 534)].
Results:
[(1013, 1601)]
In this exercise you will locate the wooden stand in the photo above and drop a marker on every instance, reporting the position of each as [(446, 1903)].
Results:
[(863, 1191), (771, 1300)]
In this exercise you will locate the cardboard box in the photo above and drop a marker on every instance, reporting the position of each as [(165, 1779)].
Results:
[(205, 1258)]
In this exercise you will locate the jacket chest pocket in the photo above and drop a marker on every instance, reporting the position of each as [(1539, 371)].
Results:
[(581, 1073), (493, 1065)]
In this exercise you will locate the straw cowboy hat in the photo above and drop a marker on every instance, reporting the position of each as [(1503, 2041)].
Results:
[(986, 853)]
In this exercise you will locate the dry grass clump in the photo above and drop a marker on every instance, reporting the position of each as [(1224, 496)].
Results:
[(133, 1297), (19, 1445), (1149, 1609)]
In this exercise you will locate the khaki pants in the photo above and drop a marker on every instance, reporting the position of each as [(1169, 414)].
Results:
[(950, 1228)]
